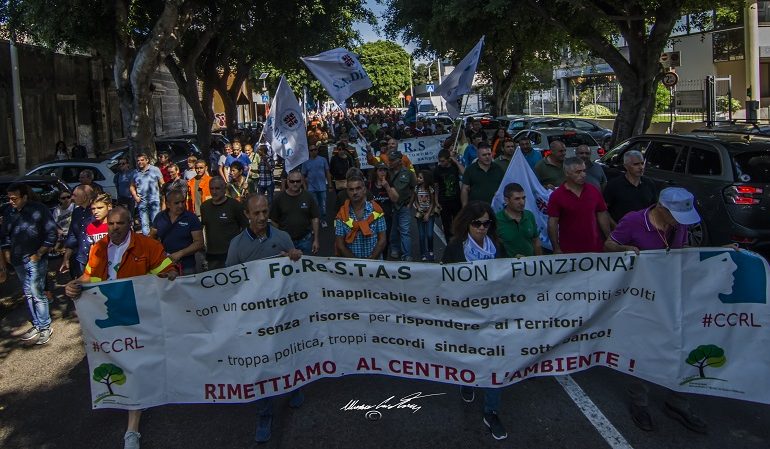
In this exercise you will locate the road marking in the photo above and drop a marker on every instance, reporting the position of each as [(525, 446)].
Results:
[(439, 233), (592, 412)]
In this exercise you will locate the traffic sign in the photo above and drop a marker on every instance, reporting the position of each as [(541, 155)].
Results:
[(430, 88), (265, 98), (670, 59), (670, 79)]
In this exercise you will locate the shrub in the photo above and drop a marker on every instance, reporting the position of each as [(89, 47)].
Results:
[(594, 110), (722, 104), (662, 99)]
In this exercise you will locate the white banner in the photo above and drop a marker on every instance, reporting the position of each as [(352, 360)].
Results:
[(520, 172), (339, 72), (693, 320), (285, 127), (420, 150)]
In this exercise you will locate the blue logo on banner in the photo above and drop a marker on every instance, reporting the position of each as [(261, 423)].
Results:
[(748, 271), (121, 305)]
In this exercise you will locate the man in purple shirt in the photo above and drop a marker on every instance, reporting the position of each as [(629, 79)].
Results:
[(660, 226)]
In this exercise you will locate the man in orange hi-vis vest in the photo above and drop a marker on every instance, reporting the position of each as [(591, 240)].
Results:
[(359, 228)]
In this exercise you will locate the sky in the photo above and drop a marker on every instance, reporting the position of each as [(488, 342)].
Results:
[(368, 34)]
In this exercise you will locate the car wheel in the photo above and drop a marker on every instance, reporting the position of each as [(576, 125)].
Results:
[(697, 235)]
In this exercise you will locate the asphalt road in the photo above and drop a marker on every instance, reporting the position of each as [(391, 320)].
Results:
[(45, 404)]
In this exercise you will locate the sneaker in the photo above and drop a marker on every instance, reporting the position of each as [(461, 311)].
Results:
[(424, 259), (30, 334), (44, 337), (323, 224), (431, 257), (467, 394), (495, 426), (264, 428), (406, 259), (394, 256), (297, 399), (131, 440), (687, 418)]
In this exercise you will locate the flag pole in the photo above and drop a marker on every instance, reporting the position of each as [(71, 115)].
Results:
[(462, 122)]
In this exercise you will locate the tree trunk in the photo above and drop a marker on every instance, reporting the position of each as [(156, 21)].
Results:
[(637, 102), (201, 103)]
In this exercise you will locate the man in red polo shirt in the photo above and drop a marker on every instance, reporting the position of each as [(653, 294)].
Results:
[(576, 213)]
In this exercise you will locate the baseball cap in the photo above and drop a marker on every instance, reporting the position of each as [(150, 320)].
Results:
[(384, 125), (680, 203), (394, 155)]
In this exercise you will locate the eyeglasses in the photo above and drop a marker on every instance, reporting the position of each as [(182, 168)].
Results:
[(66, 197), (295, 181), (481, 224)]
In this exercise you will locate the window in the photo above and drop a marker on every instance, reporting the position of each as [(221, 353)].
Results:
[(572, 140), (615, 157), (71, 174), (728, 45), (584, 126), (705, 162), (664, 156), (535, 138), (763, 11), (45, 171), (753, 166)]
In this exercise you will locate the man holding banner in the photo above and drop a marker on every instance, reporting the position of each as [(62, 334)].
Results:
[(121, 255)]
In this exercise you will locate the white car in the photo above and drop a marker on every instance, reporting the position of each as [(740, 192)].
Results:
[(69, 172), (541, 139)]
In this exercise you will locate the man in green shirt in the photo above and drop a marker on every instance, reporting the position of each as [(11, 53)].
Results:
[(504, 160), (482, 178), (549, 170), (516, 226)]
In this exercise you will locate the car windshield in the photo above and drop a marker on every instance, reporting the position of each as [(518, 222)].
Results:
[(753, 166)]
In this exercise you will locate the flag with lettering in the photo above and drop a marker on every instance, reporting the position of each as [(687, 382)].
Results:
[(459, 82), (285, 127), (339, 72), (520, 172)]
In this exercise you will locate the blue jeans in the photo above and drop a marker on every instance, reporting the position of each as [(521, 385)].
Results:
[(425, 232), (147, 212), (32, 277), (491, 398), (267, 190), (320, 198), (402, 218), (305, 244)]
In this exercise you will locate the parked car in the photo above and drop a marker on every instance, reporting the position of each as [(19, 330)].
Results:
[(601, 135), (69, 172), (541, 139), (179, 149), (728, 173), (738, 127), (526, 122), (486, 120), (45, 189), (445, 121)]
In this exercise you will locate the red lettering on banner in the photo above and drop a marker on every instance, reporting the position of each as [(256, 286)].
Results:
[(290, 381)]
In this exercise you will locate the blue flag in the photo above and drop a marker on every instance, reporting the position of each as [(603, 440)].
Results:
[(411, 114)]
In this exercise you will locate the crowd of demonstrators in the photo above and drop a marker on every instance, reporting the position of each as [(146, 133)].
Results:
[(195, 220)]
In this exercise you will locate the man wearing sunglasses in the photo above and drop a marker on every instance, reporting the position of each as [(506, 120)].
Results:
[(296, 212)]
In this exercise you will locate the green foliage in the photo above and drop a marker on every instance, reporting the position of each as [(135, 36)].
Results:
[(594, 110), (662, 99), (109, 374), (723, 102), (706, 355), (388, 66)]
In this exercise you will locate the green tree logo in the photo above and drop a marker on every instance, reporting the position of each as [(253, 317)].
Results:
[(109, 374), (703, 356)]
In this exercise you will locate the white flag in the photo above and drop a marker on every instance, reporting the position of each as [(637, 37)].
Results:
[(339, 72), (285, 127), (520, 172), (459, 82)]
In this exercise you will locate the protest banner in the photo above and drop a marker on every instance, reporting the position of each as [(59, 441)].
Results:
[(419, 150), (693, 320)]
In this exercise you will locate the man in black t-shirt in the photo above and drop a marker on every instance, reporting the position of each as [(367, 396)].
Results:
[(446, 176), (296, 212), (632, 191)]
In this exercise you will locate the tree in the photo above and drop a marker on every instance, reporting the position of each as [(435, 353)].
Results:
[(109, 374), (388, 66), (452, 27), (706, 355), (135, 35), (644, 26)]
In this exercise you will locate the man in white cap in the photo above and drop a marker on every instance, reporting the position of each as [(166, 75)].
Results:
[(660, 226)]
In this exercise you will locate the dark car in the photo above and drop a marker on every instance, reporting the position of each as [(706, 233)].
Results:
[(45, 189), (519, 124), (179, 149), (728, 173), (601, 135)]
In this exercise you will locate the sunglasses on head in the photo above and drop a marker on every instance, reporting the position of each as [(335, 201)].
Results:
[(481, 224)]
